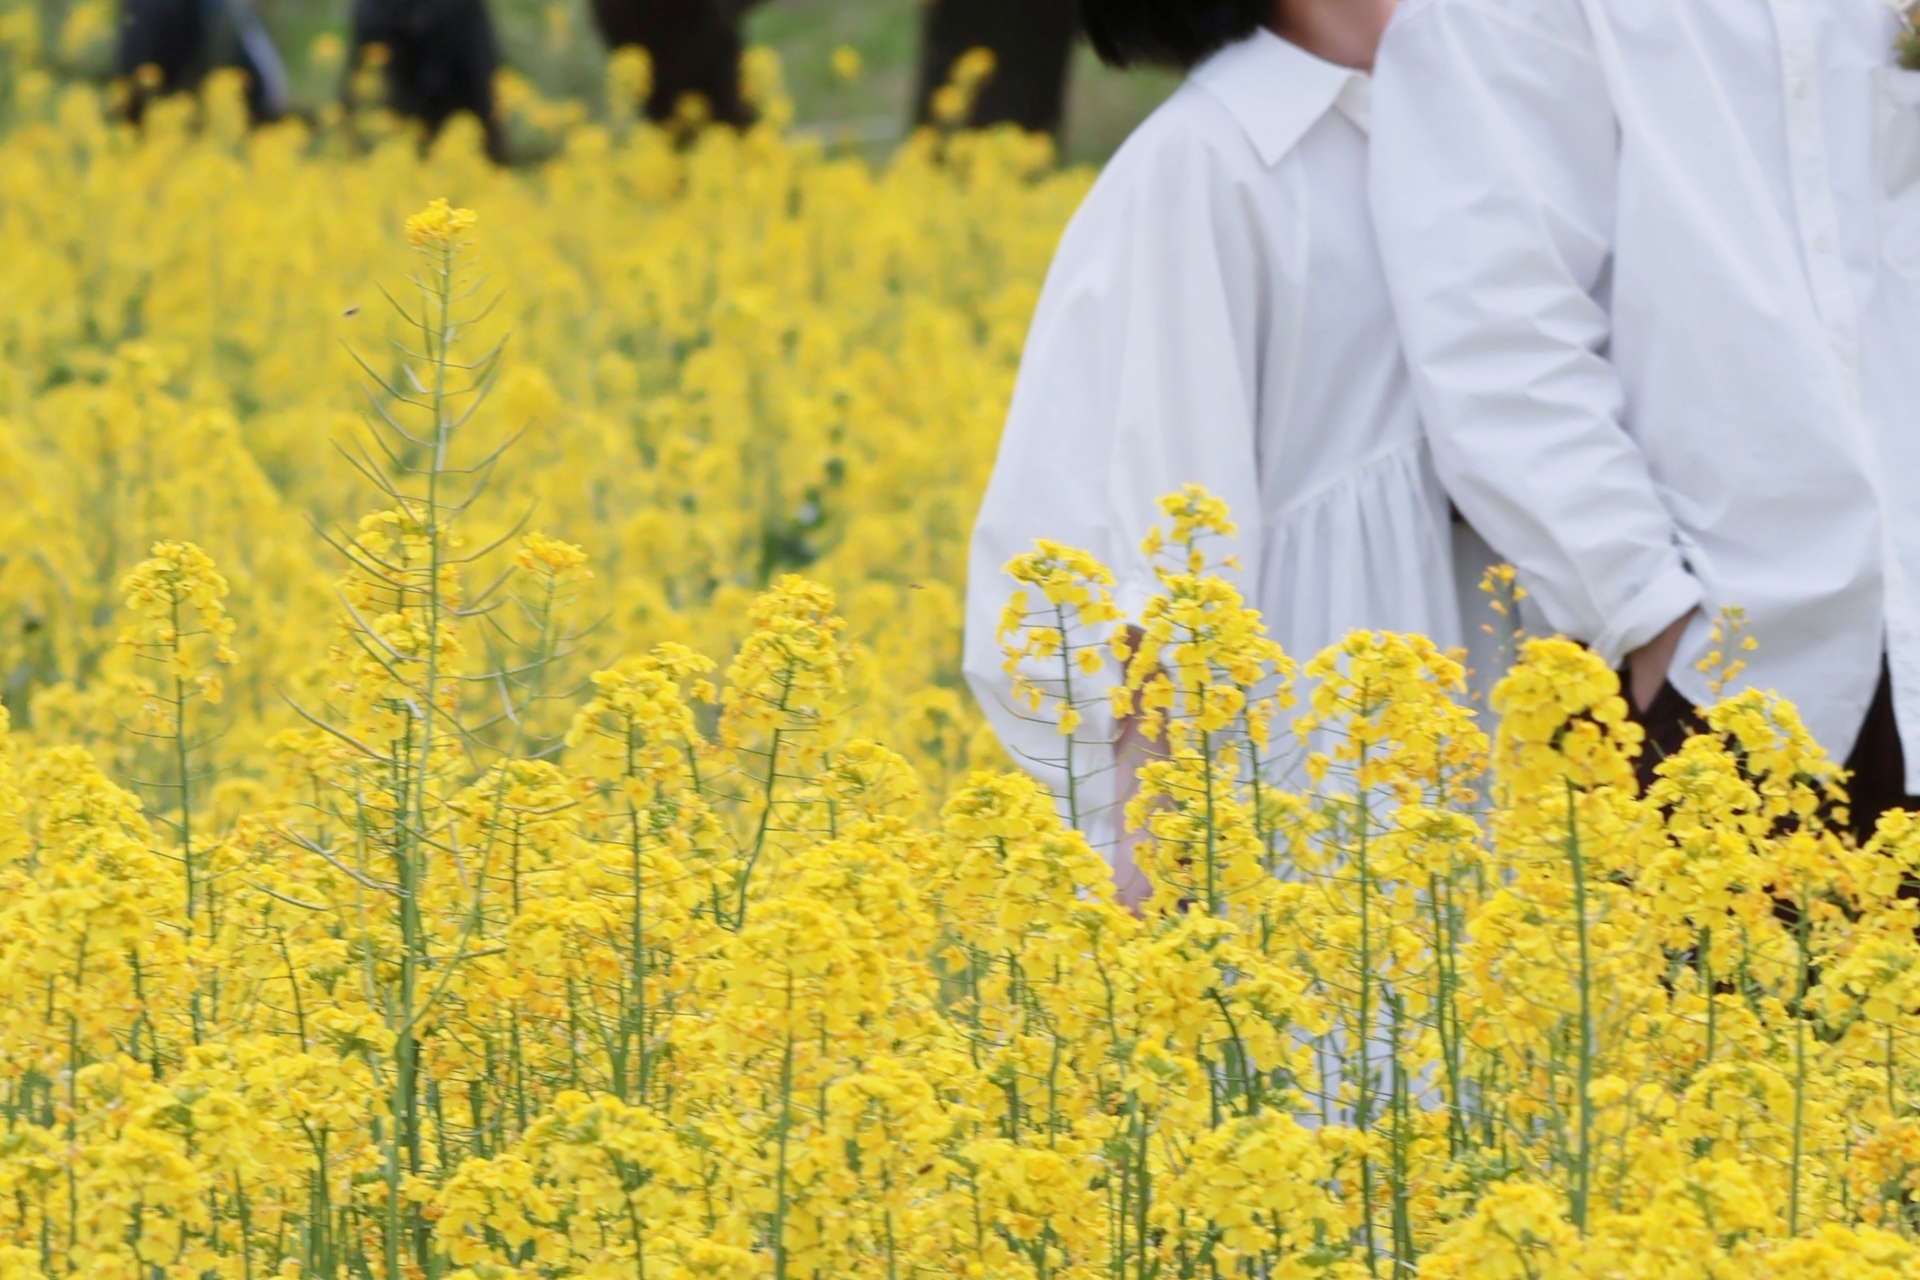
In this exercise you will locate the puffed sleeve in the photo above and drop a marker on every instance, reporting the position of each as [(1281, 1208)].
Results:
[(1494, 157), (1140, 375)]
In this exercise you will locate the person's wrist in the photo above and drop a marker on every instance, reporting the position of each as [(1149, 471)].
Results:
[(1648, 665)]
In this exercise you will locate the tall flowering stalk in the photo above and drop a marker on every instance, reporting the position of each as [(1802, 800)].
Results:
[(407, 860), (178, 647), (1567, 968), (400, 643), (530, 639), (1388, 864), (659, 871), (780, 715), (1056, 654), (1207, 683)]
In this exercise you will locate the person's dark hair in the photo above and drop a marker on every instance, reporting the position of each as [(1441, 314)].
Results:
[(1177, 33)]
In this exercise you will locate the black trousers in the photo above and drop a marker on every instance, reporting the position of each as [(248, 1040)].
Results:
[(1878, 765)]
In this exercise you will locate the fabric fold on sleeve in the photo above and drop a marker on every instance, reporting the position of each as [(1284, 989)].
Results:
[(1494, 189)]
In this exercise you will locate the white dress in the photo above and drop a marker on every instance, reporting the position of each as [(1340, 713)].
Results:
[(1216, 314)]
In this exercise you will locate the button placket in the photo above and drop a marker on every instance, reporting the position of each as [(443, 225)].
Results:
[(1813, 192)]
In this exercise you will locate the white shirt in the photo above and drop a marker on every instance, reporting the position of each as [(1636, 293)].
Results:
[(1657, 265), (1216, 314)]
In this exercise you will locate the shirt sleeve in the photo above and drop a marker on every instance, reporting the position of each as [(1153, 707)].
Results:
[(1140, 375), (1494, 165)]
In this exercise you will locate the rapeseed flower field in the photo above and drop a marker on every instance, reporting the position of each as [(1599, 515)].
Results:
[(488, 791)]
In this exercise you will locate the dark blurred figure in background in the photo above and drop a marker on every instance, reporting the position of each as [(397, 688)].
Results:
[(695, 46), (439, 59), (183, 40), (1032, 46)]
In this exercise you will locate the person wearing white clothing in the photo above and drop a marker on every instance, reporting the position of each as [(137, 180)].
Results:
[(1216, 314), (1657, 268)]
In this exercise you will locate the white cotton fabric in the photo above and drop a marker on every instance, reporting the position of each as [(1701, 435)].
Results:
[(1657, 264), (1216, 314)]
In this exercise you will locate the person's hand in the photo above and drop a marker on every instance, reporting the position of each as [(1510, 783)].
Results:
[(1647, 666), (1131, 751)]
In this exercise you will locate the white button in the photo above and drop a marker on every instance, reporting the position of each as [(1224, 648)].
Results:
[(1821, 244), (1800, 88)]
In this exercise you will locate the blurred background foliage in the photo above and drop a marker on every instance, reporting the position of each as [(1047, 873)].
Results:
[(554, 45)]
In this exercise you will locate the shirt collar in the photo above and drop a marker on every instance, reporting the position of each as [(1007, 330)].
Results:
[(1278, 91)]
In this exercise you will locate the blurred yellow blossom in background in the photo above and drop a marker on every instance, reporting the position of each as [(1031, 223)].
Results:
[(437, 222)]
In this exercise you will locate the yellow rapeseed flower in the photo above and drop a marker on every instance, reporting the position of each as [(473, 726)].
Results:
[(439, 224)]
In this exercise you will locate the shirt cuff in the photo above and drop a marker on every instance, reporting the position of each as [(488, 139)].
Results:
[(1671, 595)]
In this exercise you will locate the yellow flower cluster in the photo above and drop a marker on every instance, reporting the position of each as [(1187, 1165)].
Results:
[(438, 224), (429, 905)]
